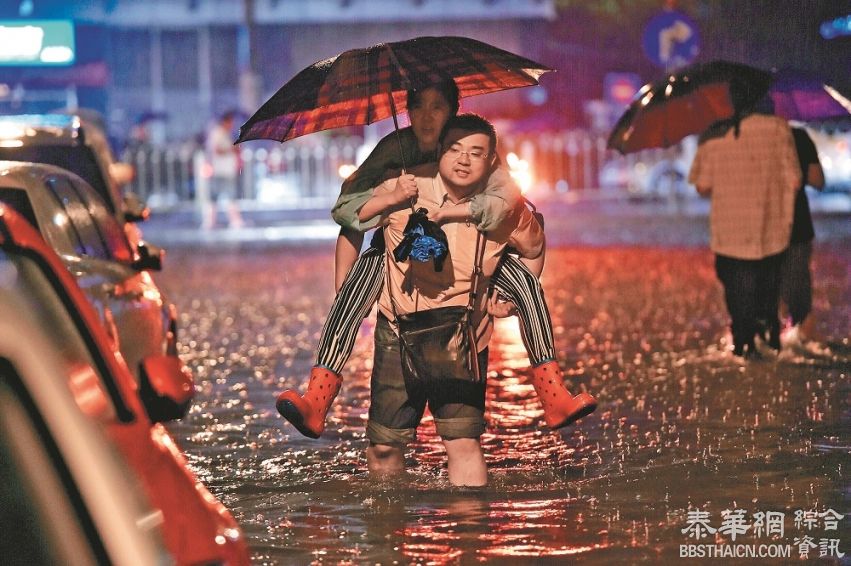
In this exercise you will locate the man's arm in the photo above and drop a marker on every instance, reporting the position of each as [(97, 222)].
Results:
[(528, 238), (536, 265), (699, 174)]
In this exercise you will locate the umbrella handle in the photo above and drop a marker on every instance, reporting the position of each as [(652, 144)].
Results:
[(399, 138)]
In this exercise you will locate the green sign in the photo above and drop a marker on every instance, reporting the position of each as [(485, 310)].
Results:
[(36, 43)]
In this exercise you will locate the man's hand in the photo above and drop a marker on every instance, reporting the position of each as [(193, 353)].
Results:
[(406, 190), (499, 308)]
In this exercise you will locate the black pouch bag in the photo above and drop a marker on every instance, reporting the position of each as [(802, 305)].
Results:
[(438, 344)]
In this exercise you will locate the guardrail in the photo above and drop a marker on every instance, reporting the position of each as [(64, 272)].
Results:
[(308, 174)]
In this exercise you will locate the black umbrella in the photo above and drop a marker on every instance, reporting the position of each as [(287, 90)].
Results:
[(687, 102)]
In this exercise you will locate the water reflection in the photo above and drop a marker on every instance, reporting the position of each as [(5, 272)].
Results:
[(680, 425)]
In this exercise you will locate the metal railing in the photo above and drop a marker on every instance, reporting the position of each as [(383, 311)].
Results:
[(308, 175)]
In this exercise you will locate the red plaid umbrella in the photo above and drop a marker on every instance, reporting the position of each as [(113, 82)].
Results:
[(362, 86), (686, 102)]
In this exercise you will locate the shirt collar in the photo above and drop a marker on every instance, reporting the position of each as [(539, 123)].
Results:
[(442, 196)]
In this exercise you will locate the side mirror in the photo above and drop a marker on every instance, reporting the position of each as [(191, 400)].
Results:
[(121, 173), (134, 209), (166, 388), (150, 257)]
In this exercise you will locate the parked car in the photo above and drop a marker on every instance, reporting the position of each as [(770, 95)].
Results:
[(77, 224), (80, 146), (65, 496), (196, 527)]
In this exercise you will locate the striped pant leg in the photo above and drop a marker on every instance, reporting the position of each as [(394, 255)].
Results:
[(515, 282), (352, 304)]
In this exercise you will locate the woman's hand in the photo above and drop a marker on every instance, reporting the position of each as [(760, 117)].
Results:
[(406, 190), (499, 308)]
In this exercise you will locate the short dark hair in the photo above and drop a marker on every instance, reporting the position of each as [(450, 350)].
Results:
[(447, 88), (473, 123)]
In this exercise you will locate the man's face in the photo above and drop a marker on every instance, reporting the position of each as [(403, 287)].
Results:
[(465, 159)]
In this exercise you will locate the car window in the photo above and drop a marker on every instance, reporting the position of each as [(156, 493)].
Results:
[(19, 200), (51, 314), (106, 224), (78, 159), (89, 241)]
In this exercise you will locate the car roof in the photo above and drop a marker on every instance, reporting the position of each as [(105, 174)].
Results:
[(54, 130), (28, 172), (46, 129)]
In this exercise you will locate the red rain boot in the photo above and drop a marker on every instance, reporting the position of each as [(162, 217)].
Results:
[(560, 407), (307, 413)]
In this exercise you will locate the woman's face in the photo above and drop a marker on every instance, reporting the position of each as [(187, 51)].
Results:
[(428, 115)]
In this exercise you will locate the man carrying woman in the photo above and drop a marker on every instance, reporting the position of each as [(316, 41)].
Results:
[(359, 279)]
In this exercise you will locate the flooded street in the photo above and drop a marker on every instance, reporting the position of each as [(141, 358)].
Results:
[(681, 427)]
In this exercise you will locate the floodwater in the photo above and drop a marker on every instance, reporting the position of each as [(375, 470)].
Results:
[(681, 427)]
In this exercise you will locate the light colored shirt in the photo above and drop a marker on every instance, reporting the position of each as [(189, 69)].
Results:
[(752, 179), (223, 155), (488, 208), (416, 286)]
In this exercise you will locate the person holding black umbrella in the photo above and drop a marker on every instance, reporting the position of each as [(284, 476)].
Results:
[(796, 290), (749, 169)]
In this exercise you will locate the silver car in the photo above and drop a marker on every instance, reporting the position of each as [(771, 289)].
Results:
[(76, 223)]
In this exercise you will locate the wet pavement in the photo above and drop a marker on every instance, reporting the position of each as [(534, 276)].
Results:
[(682, 427)]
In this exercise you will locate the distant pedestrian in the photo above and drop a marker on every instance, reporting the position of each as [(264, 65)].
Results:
[(796, 291), (748, 167), (224, 160)]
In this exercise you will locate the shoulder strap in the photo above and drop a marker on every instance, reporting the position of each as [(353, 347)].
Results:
[(477, 269)]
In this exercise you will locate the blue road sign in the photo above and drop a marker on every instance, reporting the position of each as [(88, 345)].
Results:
[(671, 39)]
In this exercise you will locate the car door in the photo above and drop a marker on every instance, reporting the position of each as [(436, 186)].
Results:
[(129, 302)]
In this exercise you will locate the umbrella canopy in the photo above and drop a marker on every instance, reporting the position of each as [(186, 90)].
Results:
[(362, 86), (687, 102), (804, 97)]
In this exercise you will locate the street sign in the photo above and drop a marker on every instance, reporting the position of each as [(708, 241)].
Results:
[(671, 39), (36, 43)]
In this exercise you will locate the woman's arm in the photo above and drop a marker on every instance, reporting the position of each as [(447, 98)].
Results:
[(488, 208), (403, 194), (358, 188), (496, 202)]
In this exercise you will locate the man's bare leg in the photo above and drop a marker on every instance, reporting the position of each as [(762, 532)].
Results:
[(385, 460), (466, 462)]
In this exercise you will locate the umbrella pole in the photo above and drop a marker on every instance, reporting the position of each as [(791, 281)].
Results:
[(399, 138)]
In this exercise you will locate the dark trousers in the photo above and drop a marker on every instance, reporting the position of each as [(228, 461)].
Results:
[(752, 294), (796, 288)]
